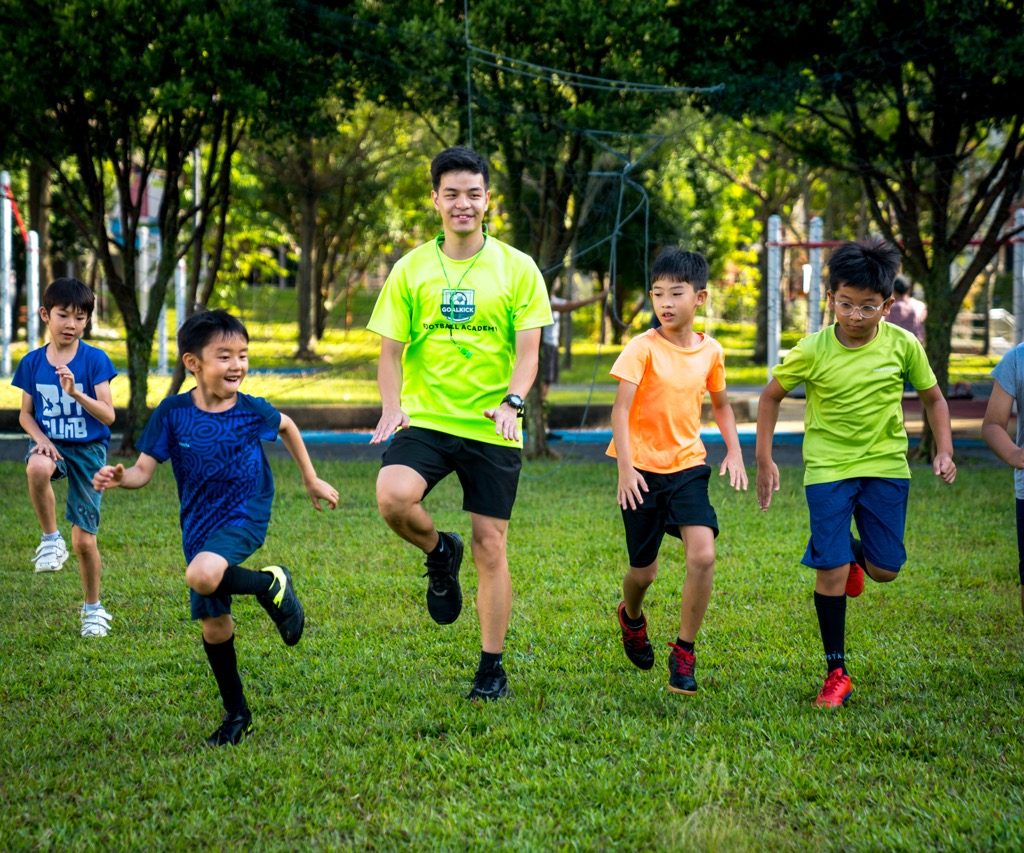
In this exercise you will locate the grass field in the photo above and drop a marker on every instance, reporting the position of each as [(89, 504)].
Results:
[(363, 739)]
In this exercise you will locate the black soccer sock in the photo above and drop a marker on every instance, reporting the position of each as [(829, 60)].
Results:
[(224, 664), (439, 548), (832, 622), (239, 580), (639, 622), (858, 551), (489, 661), (684, 645)]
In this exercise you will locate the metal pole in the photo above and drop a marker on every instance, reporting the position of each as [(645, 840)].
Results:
[(142, 273), (6, 272), (32, 288), (1018, 279), (772, 294), (180, 280), (814, 294)]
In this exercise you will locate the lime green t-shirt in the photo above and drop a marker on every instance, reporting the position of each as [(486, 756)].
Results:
[(853, 425), (459, 320)]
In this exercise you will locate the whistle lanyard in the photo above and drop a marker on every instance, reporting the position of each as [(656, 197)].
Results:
[(437, 248)]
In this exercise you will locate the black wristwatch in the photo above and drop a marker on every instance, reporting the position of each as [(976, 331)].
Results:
[(516, 402)]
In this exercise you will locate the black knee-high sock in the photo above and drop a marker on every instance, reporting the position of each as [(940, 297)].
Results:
[(832, 622), (239, 580), (224, 664)]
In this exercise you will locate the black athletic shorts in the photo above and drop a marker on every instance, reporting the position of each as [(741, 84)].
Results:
[(671, 501), (489, 473)]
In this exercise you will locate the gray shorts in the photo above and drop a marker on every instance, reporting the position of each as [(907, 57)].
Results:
[(79, 465)]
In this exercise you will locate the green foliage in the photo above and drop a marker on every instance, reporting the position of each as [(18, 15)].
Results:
[(363, 738)]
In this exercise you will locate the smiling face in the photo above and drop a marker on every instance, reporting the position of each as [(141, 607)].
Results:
[(461, 198), (65, 324), (675, 303), (220, 366), (858, 311)]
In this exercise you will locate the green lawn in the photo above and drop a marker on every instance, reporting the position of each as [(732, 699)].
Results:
[(363, 739)]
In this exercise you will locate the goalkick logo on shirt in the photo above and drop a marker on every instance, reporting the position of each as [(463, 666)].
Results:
[(457, 306)]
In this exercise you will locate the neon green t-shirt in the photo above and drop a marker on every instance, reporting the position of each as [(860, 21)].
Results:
[(459, 320), (853, 425)]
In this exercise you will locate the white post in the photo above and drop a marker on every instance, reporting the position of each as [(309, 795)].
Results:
[(32, 288), (180, 282), (6, 272), (161, 351), (1018, 279), (772, 294), (142, 273), (814, 294)]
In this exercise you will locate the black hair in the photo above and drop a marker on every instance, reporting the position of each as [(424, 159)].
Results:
[(459, 158), (901, 285), (867, 264), (69, 293), (201, 328), (676, 264)]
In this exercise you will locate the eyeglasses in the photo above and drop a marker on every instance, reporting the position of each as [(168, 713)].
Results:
[(848, 309)]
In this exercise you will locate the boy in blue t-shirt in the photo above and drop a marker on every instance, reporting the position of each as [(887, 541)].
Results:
[(67, 410), (213, 435), (1007, 391)]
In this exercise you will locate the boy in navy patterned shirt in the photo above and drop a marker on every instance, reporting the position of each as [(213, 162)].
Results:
[(67, 410), (213, 435)]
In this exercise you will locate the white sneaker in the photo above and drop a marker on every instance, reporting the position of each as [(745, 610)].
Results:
[(95, 623), (50, 555)]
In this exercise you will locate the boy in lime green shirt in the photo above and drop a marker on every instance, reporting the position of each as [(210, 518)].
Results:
[(855, 443)]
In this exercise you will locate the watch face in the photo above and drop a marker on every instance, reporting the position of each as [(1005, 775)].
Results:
[(515, 401)]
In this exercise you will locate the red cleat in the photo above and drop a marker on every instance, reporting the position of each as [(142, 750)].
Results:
[(836, 691), (855, 580)]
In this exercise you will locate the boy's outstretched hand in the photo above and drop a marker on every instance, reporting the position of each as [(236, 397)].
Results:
[(767, 482), (108, 477), (733, 463), (321, 490), (944, 467)]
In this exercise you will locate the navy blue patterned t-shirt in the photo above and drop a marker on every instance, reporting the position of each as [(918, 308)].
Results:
[(218, 461)]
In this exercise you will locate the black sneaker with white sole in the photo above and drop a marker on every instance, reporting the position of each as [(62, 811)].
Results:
[(444, 595), (282, 605)]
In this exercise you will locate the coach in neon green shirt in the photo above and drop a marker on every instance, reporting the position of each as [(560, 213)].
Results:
[(460, 321)]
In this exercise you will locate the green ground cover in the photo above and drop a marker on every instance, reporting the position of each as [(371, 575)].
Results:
[(347, 373), (363, 739)]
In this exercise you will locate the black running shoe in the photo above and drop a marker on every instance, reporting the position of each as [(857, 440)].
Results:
[(283, 605), (444, 595), (635, 642), (489, 685), (233, 728), (681, 667)]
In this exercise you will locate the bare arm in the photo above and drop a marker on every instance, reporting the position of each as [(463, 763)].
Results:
[(524, 371), (631, 485), (389, 381), (316, 488), (726, 420), (113, 476), (571, 305), (993, 428), (101, 408), (937, 411), (27, 421), (767, 417)]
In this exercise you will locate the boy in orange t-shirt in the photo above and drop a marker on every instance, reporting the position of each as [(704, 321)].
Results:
[(663, 478)]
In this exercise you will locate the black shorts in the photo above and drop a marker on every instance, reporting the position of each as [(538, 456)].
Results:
[(489, 473), (671, 501), (549, 364)]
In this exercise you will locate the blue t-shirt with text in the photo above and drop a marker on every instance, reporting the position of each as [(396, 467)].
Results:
[(222, 473), (56, 412)]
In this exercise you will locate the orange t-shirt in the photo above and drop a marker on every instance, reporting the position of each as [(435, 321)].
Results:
[(664, 420)]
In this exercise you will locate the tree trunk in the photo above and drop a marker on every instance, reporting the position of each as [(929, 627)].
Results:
[(938, 344), (39, 218), (305, 279), (140, 346)]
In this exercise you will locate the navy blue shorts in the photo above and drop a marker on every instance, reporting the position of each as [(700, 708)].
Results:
[(234, 544), (879, 507), (671, 501), (79, 465), (489, 473)]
